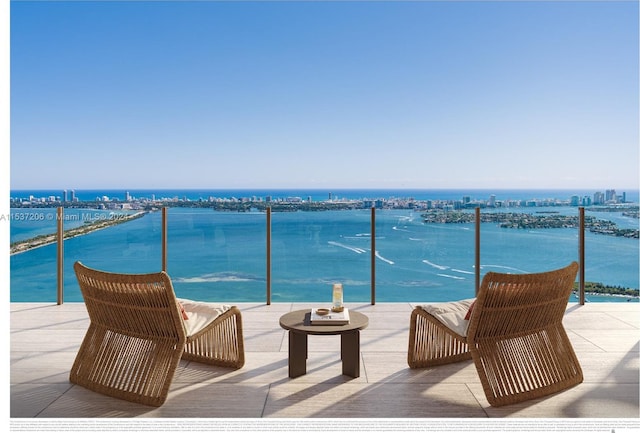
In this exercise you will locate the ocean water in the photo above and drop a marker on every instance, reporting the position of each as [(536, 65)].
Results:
[(221, 256)]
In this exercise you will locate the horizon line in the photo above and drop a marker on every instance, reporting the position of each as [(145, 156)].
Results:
[(297, 188)]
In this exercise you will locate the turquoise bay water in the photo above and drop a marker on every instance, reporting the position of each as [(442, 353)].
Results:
[(221, 256)]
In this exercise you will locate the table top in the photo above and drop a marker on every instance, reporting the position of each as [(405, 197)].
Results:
[(300, 321)]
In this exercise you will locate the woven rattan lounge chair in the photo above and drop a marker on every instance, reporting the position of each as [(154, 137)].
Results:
[(513, 333), (139, 331)]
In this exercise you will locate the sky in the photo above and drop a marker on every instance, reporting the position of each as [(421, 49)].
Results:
[(419, 94)]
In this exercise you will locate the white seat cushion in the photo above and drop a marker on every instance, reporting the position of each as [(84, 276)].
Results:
[(200, 314), (451, 314)]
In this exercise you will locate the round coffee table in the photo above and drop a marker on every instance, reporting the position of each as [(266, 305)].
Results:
[(298, 323)]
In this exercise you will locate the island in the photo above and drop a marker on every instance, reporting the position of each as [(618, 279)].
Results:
[(541, 220), (602, 289), (88, 227)]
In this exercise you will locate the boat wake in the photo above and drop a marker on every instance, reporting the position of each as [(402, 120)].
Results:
[(359, 251), (347, 247), (462, 272), (383, 259), (441, 267), (451, 276), (396, 228), (360, 236), (504, 267), (226, 277)]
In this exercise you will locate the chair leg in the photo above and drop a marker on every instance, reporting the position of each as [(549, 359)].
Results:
[(526, 367), (431, 343), (130, 368), (221, 344)]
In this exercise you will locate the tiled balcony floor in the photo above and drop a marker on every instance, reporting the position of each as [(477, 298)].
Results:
[(45, 338)]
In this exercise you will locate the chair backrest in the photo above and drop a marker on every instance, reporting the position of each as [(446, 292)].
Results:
[(139, 305), (509, 304)]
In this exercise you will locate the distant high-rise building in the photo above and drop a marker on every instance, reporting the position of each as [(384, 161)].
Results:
[(64, 195), (72, 197), (598, 198)]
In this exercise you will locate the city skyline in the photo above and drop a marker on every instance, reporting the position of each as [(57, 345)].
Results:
[(324, 94), (488, 197)]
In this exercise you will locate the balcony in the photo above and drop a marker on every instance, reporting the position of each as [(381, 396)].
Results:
[(45, 338)]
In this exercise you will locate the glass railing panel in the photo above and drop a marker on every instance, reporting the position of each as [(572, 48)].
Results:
[(133, 246), (30, 223), (313, 250), (33, 275), (539, 245), (525, 250), (420, 262), (612, 259), (217, 256), (35, 269)]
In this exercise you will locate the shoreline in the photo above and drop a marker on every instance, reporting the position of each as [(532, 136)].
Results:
[(629, 298), (44, 240)]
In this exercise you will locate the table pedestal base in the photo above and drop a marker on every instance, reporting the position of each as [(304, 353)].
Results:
[(349, 353)]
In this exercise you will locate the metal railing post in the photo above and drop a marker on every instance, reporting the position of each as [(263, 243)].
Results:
[(373, 255), (581, 255), (269, 255), (477, 253), (60, 238), (164, 239)]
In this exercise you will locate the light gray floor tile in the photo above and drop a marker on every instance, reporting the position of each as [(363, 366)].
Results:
[(371, 401), (45, 339)]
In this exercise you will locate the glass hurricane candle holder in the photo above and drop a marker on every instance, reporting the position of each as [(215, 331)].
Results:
[(337, 304)]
